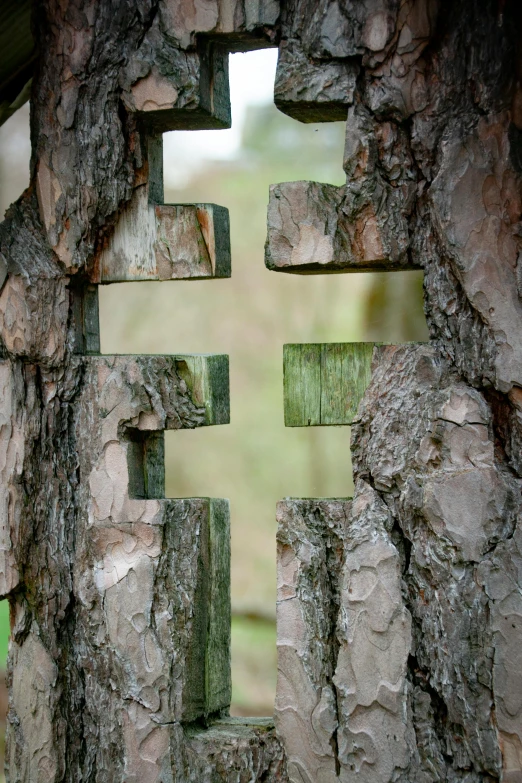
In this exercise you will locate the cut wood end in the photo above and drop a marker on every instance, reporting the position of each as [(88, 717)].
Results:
[(167, 242), (207, 378), (324, 383)]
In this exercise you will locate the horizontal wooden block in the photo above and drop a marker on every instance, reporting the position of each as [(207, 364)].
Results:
[(311, 91), (194, 95), (153, 393), (314, 228), (166, 242), (324, 383)]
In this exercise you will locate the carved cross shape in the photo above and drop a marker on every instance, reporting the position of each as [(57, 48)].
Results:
[(399, 611)]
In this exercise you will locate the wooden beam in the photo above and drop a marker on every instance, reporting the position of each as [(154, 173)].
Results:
[(207, 686), (198, 536), (312, 231), (218, 683), (324, 383), (166, 242)]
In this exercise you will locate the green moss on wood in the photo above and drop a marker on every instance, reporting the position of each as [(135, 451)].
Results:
[(324, 382)]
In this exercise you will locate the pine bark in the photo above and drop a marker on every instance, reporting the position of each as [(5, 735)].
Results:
[(427, 675), (407, 667)]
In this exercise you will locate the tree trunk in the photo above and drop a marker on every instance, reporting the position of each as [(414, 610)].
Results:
[(426, 661), (400, 614), (120, 599)]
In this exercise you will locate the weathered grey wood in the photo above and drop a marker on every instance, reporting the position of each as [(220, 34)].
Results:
[(218, 683), (167, 242), (315, 228), (146, 464), (153, 175), (324, 382), (302, 384), (310, 547), (312, 91), (86, 315), (232, 750), (201, 652), (156, 241)]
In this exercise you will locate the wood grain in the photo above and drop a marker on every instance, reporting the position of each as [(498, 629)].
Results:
[(324, 382), (167, 242)]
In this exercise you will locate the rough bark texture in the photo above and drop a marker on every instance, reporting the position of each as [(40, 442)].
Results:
[(452, 507), (427, 673), (310, 546), (233, 750), (119, 599)]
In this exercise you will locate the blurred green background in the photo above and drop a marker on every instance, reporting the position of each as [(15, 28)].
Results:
[(254, 461)]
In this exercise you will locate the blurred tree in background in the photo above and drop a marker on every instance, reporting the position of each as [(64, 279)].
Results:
[(254, 461)]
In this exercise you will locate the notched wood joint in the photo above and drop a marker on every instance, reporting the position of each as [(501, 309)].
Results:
[(146, 464), (86, 318)]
